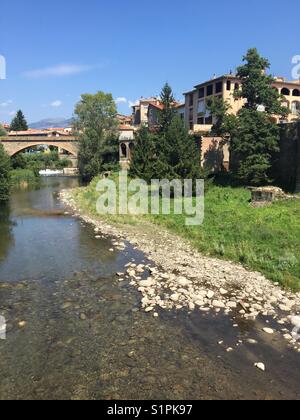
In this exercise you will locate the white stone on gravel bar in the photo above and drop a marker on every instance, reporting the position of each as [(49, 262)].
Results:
[(223, 292), (146, 283), (268, 331), (218, 304), (182, 281), (210, 294)]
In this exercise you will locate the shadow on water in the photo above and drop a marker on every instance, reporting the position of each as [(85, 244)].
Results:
[(6, 230), (74, 331)]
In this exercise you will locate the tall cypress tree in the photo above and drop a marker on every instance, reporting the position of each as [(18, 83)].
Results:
[(168, 112), (144, 159), (19, 123), (180, 157)]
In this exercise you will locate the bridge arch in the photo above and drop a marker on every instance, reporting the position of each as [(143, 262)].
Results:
[(69, 148), (14, 145)]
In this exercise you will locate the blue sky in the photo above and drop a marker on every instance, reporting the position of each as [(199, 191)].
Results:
[(57, 50)]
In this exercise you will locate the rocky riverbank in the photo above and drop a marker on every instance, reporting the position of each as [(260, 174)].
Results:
[(182, 278)]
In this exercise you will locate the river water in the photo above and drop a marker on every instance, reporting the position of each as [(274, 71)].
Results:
[(75, 332)]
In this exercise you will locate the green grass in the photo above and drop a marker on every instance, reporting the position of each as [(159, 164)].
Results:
[(264, 239), (23, 177)]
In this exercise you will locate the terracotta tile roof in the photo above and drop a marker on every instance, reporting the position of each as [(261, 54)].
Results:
[(125, 127), (38, 132)]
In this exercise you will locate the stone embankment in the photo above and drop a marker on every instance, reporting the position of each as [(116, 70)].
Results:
[(182, 278)]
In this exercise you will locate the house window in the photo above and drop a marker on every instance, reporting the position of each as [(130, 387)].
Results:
[(295, 108), (201, 120), (209, 90), (202, 107), (285, 92), (296, 92), (191, 100), (219, 87), (209, 120), (228, 85), (236, 86), (201, 93)]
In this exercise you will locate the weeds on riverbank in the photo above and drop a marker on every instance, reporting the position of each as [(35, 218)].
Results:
[(265, 239), (23, 178)]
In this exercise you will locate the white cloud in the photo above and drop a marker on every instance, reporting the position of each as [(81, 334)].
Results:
[(6, 103), (8, 113), (131, 104), (56, 104), (121, 100), (57, 71)]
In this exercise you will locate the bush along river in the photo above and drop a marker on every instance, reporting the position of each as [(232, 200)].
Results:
[(76, 330)]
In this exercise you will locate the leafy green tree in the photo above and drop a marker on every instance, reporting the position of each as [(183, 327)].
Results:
[(144, 159), (168, 112), (2, 131), (19, 123), (257, 86), (254, 135), (4, 174), (97, 126)]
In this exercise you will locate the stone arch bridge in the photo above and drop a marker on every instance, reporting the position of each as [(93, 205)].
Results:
[(15, 144)]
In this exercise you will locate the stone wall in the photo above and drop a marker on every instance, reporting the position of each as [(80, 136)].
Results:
[(214, 154), (286, 166)]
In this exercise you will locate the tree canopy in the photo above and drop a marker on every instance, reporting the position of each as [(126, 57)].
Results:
[(168, 112), (4, 174), (254, 132), (2, 131), (19, 123), (97, 126)]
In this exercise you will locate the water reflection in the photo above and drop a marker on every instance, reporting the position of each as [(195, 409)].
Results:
[(6, 230), (74, 331)]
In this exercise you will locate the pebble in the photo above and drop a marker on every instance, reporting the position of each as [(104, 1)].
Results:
[(175, 297), (231, 305), (210, 294), (218, 304), (147, 283), (268, 331), (251, 341), (223, 292), (260, 366), (183, 281)]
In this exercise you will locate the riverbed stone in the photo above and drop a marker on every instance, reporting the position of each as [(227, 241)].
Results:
[(218, 304)]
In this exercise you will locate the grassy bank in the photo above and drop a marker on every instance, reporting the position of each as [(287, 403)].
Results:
[(23, 178), (264, 239)]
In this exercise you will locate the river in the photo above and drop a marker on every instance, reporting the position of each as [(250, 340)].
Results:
[(75, 332)]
